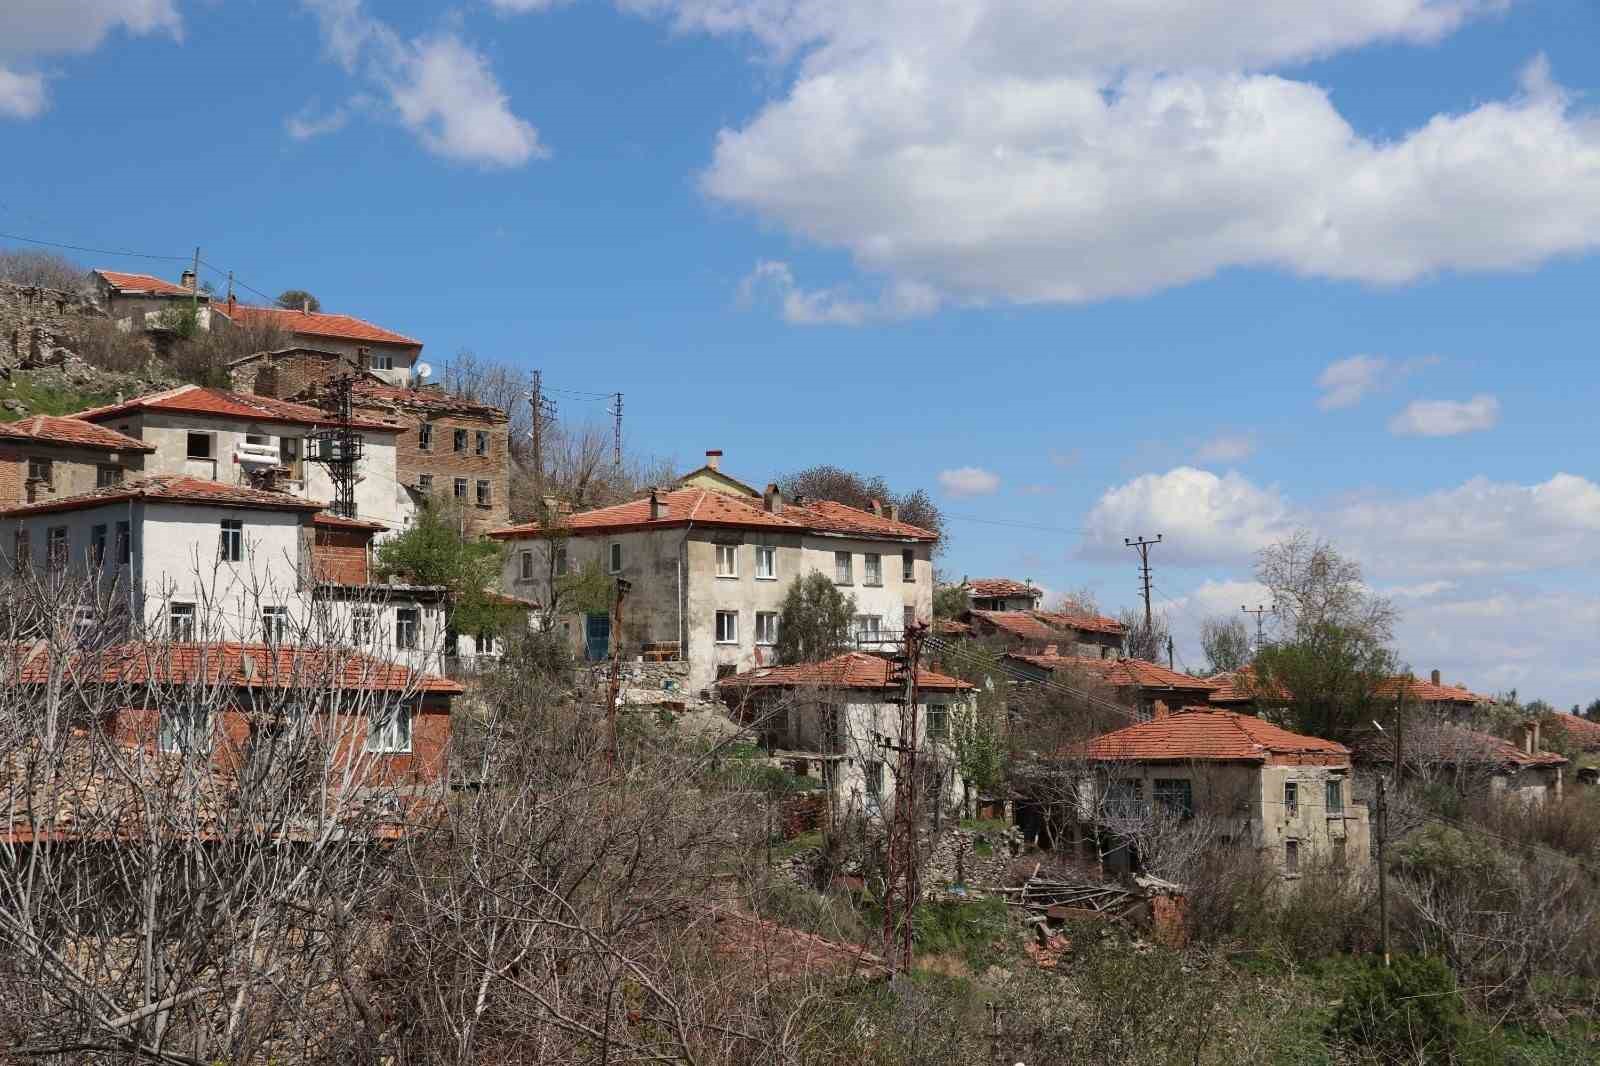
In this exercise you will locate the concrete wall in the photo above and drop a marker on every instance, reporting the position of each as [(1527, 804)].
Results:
[(73, 470), (334, 622)]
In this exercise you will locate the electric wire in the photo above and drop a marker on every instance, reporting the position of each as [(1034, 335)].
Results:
[(96, 251)]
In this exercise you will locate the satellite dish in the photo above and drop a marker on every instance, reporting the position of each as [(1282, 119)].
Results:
[(423, 370)]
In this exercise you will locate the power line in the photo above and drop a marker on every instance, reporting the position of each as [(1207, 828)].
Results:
[(95, 251), (1015, 525)]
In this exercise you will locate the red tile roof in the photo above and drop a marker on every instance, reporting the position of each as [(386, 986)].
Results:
[(59, 429), (993, 587), (237, 665), (1120, 673), (200, 400), (430, 398), (143, 283), (850, 670), (704, 507), (1448, 744), (315, 324), (1087, 623), (1232, 686), (1049, 626), (328, 520), (170, 488), (1205, 735), (744, 941), (1579, 731), (1427, 692)]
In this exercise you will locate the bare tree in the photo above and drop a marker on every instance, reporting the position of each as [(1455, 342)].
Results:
[(1226, 642), (50, 270), (1313, 585), (1148, 642)]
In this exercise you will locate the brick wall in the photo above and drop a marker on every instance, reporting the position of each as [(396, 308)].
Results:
[(340, 556), (286, 374), (73, 470), (444, 464)]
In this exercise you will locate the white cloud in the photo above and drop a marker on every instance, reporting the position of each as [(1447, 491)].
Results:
[(1446, 418), (1226, 447), (58, 27), (21, 95), (308, 123), (968, 481), (524, 7), (439, 87), (1346, 382), (1034, 151), (1202, 517), (832, 307)]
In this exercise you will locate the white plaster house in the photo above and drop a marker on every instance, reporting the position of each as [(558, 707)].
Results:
[(835, 716), (708, 571), (388, 355), (234, 438)]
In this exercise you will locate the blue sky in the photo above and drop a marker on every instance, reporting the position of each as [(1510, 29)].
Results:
[(1081, 270)]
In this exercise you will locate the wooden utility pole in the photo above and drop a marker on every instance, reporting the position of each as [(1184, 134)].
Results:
[(194, 293), (1143, 547), (614, 686), (1170, 665), (902, 883), (541, 409), (1383, 870)]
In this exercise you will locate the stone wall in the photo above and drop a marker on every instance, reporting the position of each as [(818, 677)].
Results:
[(37, 325)]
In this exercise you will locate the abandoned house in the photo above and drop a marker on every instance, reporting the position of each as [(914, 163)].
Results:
[(143, 302), (1001, 594), (1126, 794), (1136, 683), (1019, 630), (835, 719), (46, 457), (1438, 751), (388, 355)]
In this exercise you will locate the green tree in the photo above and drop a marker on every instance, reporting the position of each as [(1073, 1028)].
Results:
[(949, 601), (815, 621), (433, 552), (1592, 712), (977, 724), (859, 490), (296, 299)]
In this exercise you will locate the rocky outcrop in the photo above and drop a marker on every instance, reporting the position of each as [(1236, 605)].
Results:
[(38, 326)]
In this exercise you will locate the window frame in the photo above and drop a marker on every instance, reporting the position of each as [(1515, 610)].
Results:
[(230, 540), (380, 360), (908, 565), (1291, 799), (460, 487), (181, 622), (200, 434), (274, 624), (99, 535), (458, 441), (847, 569), (363, 624), (57, 548), (769, 638), (870, 562), (562, 563), (108, 475), (1291, 856), (480, 442), (424, 436), (941, 712), (408, 620), (21, 550), (124, 543), (483, 492), (730, 552), (388, 730), (729, 634), (614, 557), (1163, 791), (872, 779), (425, 483), (525, 565), (42, 469), (1333, 789), (769, 553), (185, 734)]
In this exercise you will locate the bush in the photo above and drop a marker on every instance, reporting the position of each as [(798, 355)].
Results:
[(1410, 1011)]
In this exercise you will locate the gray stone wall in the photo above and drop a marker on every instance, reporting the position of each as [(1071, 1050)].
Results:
[(37, 325)]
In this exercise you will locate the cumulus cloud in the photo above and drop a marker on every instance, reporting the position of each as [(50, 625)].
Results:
[(1226, 447), (969, 481), (1033, 151), (64, 27), (1446, 418), (774, 280), (439, 87), (1202, 517), (1346, 382)]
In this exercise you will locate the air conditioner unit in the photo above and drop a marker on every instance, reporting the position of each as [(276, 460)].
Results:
[(256, 453)]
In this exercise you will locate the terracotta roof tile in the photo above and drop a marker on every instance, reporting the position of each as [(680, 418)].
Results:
[(239, 665), (1427, 692), (198, 399), (59, 429), (1580, 731), (142, 283), (1448, 744), (1049, 626), (1204, 735), (993, 587), (170, 488), (850, 670), (743, 941), (329, 520), (1120, 673), (433, 398), (705, 507), (1088, 623), (314, 324)]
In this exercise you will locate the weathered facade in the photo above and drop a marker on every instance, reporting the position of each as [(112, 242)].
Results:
[(137, 302), (37, 324), (389, 355), (46, 457), (1137, 683)]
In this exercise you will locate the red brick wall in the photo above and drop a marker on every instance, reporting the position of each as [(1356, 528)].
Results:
[(446, 464), (13, 472), (283, 376), (340, 556)]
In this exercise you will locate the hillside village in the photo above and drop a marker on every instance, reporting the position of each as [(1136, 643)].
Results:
[(201, 565)]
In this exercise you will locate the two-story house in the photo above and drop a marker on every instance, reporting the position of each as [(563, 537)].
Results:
[(45, 457), (216, 435), (389, 355), (708, 571)]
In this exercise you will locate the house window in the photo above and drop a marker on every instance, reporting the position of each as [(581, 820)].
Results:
[(199, 446), (406, 624), (185, 729), (460, 440), (908, 617), (727, 627), (274, 624), (1125, 798), (766, 627), (938, 721), (867, 626), (1175, 795), (21, 551), (908, 565), (841, 568), (382, 360), (525, 566), (124, 543), (425, 437), (260, 439), (231, 549), (1291, 799), (872, 571), (561, 562), (483, 493), (361, 628), (616, 559), (389, 730), (1334, 795), (727, 560), (180, 622), (1291, 857), (766, 564), (872, 772), (97, 545), (481, 443), (39, 470), (461, 488), (425, 483), (57, 547), (106, 475)]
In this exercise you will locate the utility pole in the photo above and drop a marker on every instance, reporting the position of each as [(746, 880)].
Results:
[(1143, 547), (1399, 732), (614, 685), (541, 409), (194, 294), (1258, 611), (1170, 665), (902, 888), (230, 285), (616, 433), (1383, 872)]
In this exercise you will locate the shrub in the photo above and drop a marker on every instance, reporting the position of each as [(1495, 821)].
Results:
[(1410, 1010)]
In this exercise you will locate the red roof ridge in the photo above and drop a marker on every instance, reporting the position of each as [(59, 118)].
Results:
[(322, 323), (225, 403), (169, 488), (122, 279), (63, 429)]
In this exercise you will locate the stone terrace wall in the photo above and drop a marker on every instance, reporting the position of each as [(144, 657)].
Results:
[(37, 325)]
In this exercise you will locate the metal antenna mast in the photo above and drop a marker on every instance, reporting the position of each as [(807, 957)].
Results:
[(339, 448), (616, 436), (1258, 610)]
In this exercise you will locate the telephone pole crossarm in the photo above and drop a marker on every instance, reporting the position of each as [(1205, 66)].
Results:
[(1143, 546)]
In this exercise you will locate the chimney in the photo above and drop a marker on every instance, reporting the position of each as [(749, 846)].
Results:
[(658, 505), (1436, 677), (894, 512), (305, 307), (187, 280), (1159, 710), (875, 507), (774, 498), (714, 458), (364, 358), (233, 301), (550, 504)]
